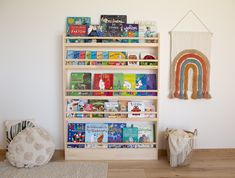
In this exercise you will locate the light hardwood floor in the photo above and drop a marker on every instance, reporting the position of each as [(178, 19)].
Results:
[(205, 164)]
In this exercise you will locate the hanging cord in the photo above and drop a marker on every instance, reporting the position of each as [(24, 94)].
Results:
[(195, 15)]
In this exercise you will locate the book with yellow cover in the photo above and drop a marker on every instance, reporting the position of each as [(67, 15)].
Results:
[(117, 55)]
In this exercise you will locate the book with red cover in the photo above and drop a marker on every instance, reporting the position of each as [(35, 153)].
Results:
[(103, 82)]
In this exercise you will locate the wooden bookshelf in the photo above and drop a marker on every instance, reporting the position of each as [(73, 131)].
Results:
[(150, 150)]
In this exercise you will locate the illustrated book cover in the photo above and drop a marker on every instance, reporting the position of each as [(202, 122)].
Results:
[(130, 135), (118, 83), (80, 81), (133, 55), (117, 55), (111, 106), (115, 134), (141, 84), (97, 134), (76, 134), (103, 82), (136, 107), (151, 84), (129, 84), (97, 106), (130, 30)]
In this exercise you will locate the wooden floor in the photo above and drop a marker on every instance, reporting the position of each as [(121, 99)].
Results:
[(205, 163)]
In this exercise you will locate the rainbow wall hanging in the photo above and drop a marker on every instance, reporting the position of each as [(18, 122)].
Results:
[(180, 70)]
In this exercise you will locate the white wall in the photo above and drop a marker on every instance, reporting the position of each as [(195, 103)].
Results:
[(31, 55)]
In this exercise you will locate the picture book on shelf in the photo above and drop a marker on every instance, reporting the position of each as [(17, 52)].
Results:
[(141, 84), (133, 55), (80, 81), (103, 82), (136, 107), (95, 30), (111, 106), (145, 133), (130, 135), (97, 106), (151, 84), (74, 106), (149, 107), (129, 84), (147, 29), (77, 26), (115, 134), (105, 56), (123, 107), (76, 134), (117, 55), (148, 56), (130, 30), (96, 133), (118, 83)]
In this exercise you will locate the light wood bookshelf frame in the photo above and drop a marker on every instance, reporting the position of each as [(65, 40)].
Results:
[(150, 153)]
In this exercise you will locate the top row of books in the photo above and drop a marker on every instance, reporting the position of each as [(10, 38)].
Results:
[(110, 26)]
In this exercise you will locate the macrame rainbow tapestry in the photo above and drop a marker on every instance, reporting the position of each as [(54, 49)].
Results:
[(199, 64)]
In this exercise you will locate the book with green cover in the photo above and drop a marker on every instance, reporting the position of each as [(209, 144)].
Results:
[(129, 84), (97, 106), (80, 81), (130, 135), (118, 84)]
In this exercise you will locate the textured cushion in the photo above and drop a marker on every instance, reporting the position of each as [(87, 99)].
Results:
[(13, 127), (31, 147)]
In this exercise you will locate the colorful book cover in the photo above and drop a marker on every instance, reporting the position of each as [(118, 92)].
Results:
[(93, 56), (145, 133), (151, 84), (80, 81), (118, 83), (123, 107), (95, 30), (106, 22), (111, 106), (76, 25), (130, 135), (88, 56), (148, 56), (117, 55), (103, 82), (72, 54), (147, 29), (99, 55), (82, 55), (97, 106), (115, 134), (74, 107), (76, 134), (105, 56), (150, 107), (136, 107), (97, 134), (130, 30), (133, 55), (141, 84), (129, 84)]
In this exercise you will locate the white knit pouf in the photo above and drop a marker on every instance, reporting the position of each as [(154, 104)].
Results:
[(31, 147)]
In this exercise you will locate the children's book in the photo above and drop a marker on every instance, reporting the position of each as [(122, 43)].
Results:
[(112, 25), (74, 107), (93, 56), (133, 55), (148, 56), (88, 56), (97, 106), (145, 133), (141, 84), (149, 107), (147, 29), (130, 30), (115, 134), (105, 56), (129, 84), (118, 83), (95, 30), (117, 55), (130, 135), (136, 107), (103, 82), (111, 106), (76, 134), (80, 81), (82, 55), (77, 26), (97, 134), (99, 55), (123, 107), (151, 84), (73, 54)]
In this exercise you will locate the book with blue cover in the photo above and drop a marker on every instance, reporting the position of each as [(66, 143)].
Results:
[(115, 134), (130, 135), (141, 84), (96, 134), (151, 84), (130, 30), (76, 134)]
